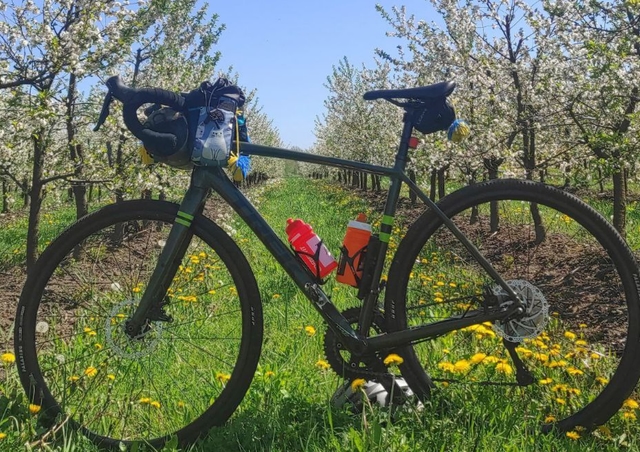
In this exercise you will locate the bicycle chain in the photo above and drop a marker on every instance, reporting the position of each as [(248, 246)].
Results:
[(333, 347)]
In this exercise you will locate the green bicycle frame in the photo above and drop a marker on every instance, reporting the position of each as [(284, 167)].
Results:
[(204, 179)]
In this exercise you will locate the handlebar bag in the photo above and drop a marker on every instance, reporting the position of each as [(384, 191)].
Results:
[(211, 114)]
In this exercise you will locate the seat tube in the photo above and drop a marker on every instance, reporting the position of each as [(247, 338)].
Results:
[(386, 226)]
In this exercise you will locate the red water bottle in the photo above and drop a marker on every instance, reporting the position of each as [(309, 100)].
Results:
[(310, 248)]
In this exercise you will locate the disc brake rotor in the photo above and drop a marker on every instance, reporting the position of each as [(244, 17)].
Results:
[(536, 315), (121, 343)]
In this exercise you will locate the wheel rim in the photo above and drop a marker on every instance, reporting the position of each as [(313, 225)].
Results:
[(146, 388), (572, 354)]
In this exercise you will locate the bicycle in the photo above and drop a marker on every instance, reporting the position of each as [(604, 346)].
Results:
[(133, 303)]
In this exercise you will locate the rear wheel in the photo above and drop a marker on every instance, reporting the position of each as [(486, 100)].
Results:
[(180, 376), (578, 342)]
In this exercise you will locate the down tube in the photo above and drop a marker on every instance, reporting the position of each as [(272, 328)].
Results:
[(219, 181)]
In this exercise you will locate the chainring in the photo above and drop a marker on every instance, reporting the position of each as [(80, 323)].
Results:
[(339, 357)]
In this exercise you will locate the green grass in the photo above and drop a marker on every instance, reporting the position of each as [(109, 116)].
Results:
[(287, 407)]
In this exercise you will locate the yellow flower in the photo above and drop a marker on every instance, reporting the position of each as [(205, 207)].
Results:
[(155, 404), (2, 435), (631, 404), (276, 296), (446, 366), (322, 364), (629, 415), (98, 346), (569, 335), (574, 371), (310, 330), (74, 378), (8, 358), (462, 366), (478, 358), (545, 381), (222, 377), (549, 419), (580, 343), (603, 381), (91, 371), (269, 374), (504, 368), (357, 384), (180, 404), (145, 400), (393, 359), (111, 377), (573, 435), (34, 409), (561, 401)]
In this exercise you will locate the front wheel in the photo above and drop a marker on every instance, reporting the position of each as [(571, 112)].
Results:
[(186, 371), (575, 354)]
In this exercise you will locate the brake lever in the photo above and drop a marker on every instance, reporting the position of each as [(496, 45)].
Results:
[(105, 111)]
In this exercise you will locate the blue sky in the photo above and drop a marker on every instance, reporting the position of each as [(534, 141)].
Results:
[(286, 49)]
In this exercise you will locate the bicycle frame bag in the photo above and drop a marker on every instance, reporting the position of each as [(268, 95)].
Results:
[(211, 114), (437, 114)]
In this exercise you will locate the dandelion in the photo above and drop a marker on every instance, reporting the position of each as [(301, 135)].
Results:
[(34, 409), (549, 419), (269, 374), (181, 404), (310, 330), (631, 404), (155, 404), (560, 401), (222, 377), (569, 335), (606, 431), (580, 343), (357, 384), (452, 284), (574, 371), (2, 436), (545, 381), (98, 346), (89, 331), (111, 377), (145, 400), (504, 368), (440, 283), (573, 435), (582, 325), (322, 364), (276, 296), (91, 371), (478, 358), (446, 366), (8, 358), (630, 415), (438, 299), (393, 359), (462, 366), (603, 381)]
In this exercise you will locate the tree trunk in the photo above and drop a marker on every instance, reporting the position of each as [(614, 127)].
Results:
[(492, 164), (5, 197), (76, 152), (442, 176), (413, 197), (433, 185), (36, 195), (619, 202)]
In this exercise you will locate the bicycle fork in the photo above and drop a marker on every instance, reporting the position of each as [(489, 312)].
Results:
[(152, 301)]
